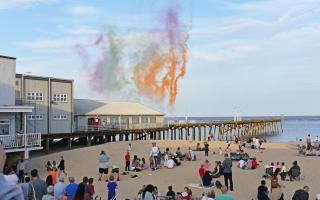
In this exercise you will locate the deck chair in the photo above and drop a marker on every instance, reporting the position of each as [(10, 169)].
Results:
[(269, 171)]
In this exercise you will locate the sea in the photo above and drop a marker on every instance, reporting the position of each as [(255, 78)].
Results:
[(294, 127)]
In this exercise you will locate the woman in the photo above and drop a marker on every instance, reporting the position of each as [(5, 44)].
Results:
[(276, 193), (187, 194), (49, 195), (136, 164), (217, 170), (147, 193), (81, 194), (156, 193)]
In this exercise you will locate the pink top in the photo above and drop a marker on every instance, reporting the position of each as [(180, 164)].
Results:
[(308, 139), (206, 166)]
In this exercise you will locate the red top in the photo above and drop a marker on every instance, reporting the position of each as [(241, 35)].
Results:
[(127, 157), (254, 164), (201, 171)]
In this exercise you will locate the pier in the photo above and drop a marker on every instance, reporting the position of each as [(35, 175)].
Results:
[(184, 130)]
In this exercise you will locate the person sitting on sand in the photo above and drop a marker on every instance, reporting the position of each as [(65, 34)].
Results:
[(207, 179), (187, 156), (301, 194), (176, 160), (135, 165), (294, 172), (249, 163), (224, 195), (220, 151), (242, 164), (170, 194), (179, 153), (241, 150), (217, 170), (254, 163), (263, 191), (143, 164), (310, 151), (170, 163), (276, 192), (228, 149), (187, 194)]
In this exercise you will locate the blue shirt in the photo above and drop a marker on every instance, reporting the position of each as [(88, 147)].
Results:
[(112, 189), (225, 197), (71, 190)]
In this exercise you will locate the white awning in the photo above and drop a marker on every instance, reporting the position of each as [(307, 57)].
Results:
[(16, 109)]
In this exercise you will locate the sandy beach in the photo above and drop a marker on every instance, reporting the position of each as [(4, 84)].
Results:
[(84, 162)]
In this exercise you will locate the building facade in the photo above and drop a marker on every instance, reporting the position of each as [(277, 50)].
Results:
[(52, 99), (92, 114)]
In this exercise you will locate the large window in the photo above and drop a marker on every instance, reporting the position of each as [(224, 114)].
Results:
[(35, 117), (153, 120), (4, 127), (114, 120), (144, 120), (59, 117), (35, 96), (135, 119), (60, 97)]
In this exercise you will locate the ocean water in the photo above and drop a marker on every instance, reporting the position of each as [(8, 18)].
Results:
[(294, 127)]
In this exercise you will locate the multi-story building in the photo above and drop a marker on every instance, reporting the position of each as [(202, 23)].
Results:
[(52, 99), (14, 136)]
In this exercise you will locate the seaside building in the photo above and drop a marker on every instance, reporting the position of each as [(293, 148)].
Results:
[(52, 99), (14, 136), (93, 115)]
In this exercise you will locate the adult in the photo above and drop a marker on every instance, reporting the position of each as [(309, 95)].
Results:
[(37, 187), (207, 179), (206, 149), (154, 153), (103, 165), (81, 193), (136, 164), (308, 139), (8, 192), (227, 171), (170, 163), (62, 166), (170, 194), (301, 194), (147, 193), (59, 189), (224, 195), (294, 172), (217, 170), (127, 160), (50, 194), (112, 186), (21, 167), (10, 176), (242, 164), (25, 187), (71, 188), (206, 165), (263, 191)]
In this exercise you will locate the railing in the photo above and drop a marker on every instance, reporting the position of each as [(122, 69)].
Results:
[(18, 141), (124, 126)]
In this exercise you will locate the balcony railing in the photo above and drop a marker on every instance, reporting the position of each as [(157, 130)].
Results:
[(123, 126), (18, 141)]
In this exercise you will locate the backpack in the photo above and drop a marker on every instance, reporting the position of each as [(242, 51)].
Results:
[(218, 184)]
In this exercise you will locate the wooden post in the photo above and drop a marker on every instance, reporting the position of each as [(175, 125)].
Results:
[(88, 141), (47, 145), (205, 138), (199, 133), (175, 133), (193, 133), (69, 143)]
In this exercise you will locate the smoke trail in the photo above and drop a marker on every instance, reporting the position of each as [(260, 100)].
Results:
[(102, 61), (163, 63)]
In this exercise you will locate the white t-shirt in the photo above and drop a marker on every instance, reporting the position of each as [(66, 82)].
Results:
[(11, 179), (170, 164), (154, 151), (241, 163)]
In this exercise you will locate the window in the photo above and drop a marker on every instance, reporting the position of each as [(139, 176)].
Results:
[(4, 127), (60, 97), (144, 120), (60, 117), (135, 120), (35, 96), (35, 117), (153, 120)]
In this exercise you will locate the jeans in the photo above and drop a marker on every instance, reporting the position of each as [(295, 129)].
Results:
[(206, 153), (127, 167), (228, 176)]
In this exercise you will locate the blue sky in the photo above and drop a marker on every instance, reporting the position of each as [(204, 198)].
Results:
[(260, 57)]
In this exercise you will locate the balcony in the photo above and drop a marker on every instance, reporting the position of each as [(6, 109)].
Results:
[(121, 126), (15, 143)]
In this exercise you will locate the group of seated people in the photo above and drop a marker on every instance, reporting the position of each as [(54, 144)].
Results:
[(187, 156), (307, 150), (293, 173), (207, 176), (253, 143), (251, 163)]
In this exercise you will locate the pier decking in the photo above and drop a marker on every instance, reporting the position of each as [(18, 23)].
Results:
[(192, 131)]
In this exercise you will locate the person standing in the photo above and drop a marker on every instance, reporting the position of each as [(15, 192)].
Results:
[(61, 166), (37, 187), (227, 171), (263, 191), (103, 165), (206, 149), (301, 194), (127, 159), (59, 188), (21, 167), (154, 154), (308, 139), (112, 186), (25, 187), (71, 188)]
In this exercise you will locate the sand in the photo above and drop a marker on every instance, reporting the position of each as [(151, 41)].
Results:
[(84, 162)]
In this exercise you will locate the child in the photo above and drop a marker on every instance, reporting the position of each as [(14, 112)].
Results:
[(220, 151), (127, 159), (91, 187), (48, 166), (112, 185)]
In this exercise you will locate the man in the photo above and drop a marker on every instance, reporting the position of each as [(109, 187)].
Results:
[(59, 189), (37, 187), (224, 195), (103, 165), (227, 171), (154, 153), (206, 149), (7, 192), (25, 187), (71, 188), (170, 194), (61, 166), (301, 194), (21, 167), (263, 191)]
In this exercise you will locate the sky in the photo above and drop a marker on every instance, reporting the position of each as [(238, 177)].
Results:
[(254, 57)]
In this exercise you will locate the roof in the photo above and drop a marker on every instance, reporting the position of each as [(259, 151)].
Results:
[(16, 109), (96, 107), (28, 76), (8, 57)]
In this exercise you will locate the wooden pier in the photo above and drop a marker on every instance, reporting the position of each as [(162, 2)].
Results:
[(192, 131)]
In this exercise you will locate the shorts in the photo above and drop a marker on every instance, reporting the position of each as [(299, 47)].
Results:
[(103, 170)]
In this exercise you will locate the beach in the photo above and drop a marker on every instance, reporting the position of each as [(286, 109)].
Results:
[(84, 162)]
